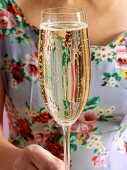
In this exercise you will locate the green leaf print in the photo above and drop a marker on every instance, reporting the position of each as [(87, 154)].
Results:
[(6, 31), (98, 61), (36, 31), (112, 45), (66, 57), (18, 140), (27, 78), (106, 118), (73, 134), (106, 76), (26, 36), (19, 39), (41, 110), (73, 147), (92, 55), (95, 129), (12, 30), (84, 143), (28, 122), (66, 105), (22, 73), (3, 3), (114, 74), (112, 78), (58, 137), (72, 140), (110, 59), (90, 107), (27, 105), (118, 78), (95, 150), (20, 23), (92, 103)]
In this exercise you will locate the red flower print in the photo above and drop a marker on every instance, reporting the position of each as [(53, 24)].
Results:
[(40, 137), (25, 130), (4, 23), (52, 144), (36, 54), (90, 127), (15, 129), (43, 118), (31, 68), (98, 161), (81, 127), (53, 136), (7, 20), (55, 148), (89, 116), (121, 57), (24, 126), (18, 72), (14, 10), (36, 119), (68, 38)]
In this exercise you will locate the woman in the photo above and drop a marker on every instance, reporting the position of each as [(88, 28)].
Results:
[(98, 138)]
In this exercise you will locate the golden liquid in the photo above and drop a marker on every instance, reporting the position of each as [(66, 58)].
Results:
[(64, 69)]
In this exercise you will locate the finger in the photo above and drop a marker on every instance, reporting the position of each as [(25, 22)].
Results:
[(31, 167), (59, 161), (19, 164), (55, 166), (42, 158)]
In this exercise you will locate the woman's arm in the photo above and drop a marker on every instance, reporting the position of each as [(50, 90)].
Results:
[(2, 99), (6, 157), (33, 157)]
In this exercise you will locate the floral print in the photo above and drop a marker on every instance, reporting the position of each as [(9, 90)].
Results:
[(85, 130), (113, 78), (30, 121), (102, 54), (121, 137), (113, 53), (21, 70), (7, 20)]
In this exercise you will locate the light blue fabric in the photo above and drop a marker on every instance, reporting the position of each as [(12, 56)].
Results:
[(24, 103)]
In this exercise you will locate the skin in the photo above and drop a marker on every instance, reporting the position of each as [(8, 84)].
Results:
[(106, 20)]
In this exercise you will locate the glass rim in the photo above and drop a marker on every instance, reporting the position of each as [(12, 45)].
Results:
[(49, 11)]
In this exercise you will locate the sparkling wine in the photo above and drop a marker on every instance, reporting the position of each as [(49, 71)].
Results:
[(64, 69)]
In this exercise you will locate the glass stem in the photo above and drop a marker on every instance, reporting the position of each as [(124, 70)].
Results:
[(66, 132)]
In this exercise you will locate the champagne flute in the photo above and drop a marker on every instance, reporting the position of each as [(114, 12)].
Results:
[(64, 67)]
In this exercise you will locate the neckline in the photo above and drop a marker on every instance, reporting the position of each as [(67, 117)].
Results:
[(23, 17), (123, 33), (91, 45)]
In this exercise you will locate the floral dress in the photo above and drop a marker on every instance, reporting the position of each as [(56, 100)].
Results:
[(99, 136)]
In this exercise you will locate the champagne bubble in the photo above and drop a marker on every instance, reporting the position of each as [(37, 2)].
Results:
[(63, 58)]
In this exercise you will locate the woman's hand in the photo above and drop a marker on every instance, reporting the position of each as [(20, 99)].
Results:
[(34, 157)]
